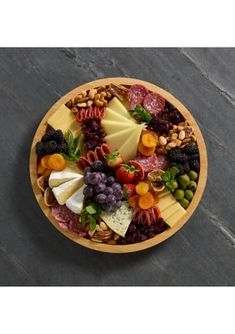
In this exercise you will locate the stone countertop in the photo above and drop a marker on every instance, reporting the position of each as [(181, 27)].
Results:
[(32, 252)]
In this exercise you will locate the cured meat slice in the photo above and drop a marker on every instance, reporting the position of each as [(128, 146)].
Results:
[(83, 163), (91, 157), (154, 103), (156, 161), (105, 150), (136, 94)]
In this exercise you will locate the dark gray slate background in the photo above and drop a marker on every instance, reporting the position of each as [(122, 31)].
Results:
[(32, 252)]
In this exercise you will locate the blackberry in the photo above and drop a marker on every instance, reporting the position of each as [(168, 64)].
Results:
[(195, 165), (193, 157), (51, 147), (191, 149), (186, 167), (40, 149), (175, 117), (53, 135), (63, 148), (176, 155)]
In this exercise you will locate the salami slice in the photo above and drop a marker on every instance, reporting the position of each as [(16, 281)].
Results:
[(156, 161), (136, 95), (154, 103), (61, 213)]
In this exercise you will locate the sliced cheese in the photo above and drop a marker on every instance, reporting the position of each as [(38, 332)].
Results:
[(174, 218), (163, 193), (119, 220), (111, 115), (119, 108), (67, 189), (170, 210), (116, 139), (128, 149), (166, 201), (75, 202), (64, 119), (113, 126), (70, 172)]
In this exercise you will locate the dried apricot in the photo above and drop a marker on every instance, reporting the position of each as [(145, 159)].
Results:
[(149, 140), (41, 169), (133, 201), (47, 172), (44, 160), (142, 188), (56, 162), (146, 201), (147, 151)]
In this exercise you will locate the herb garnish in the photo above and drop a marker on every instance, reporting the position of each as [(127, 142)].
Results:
[(141, 114), (75, 146), (90, 214), (168, 178)]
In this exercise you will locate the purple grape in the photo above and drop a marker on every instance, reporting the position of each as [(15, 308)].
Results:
[(118, 204), (111, 199), (110, 180), (88, 192), (107, 207), (116, 186), (98, 166), (93, 178), (100, 188), (103, 178), (86, 178), (100, 198), (118, 194), (86, 170), (108, 191)]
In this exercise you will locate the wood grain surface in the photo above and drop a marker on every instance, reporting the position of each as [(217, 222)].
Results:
[(32, 252), (158, 238)]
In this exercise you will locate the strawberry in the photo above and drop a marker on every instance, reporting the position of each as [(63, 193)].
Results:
[(114, 159), (129, 189), (126, 173)]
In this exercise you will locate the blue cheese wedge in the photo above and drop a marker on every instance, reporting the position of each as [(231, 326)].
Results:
[(75, 202), (119, 220)]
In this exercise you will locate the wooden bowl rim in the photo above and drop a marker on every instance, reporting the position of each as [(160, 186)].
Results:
[(158, 238)]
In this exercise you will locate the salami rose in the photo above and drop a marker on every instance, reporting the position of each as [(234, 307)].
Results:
[(154, 103), (156, 161), (136, 95)]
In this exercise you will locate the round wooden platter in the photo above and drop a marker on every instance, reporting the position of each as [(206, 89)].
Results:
[(158, 238)]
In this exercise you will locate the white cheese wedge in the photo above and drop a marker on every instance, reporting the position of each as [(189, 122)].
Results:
[(64, 119), (111, 127), (175, 217), (67, 189), (119, 220), (128, 149), (119, 108), (70, 172), (111, 115), (116, 139), (170, 210), (75, 202), (166, 201)]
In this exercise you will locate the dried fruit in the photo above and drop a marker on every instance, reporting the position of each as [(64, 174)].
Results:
[(149, 140), (142, 188), (56, 161), (146, 201), (146, 151)]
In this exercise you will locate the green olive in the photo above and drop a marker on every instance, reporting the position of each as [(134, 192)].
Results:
[(174, 184), (179, 194), (184, 203), (184, 179), (188, 194), (193, 175), (192, 185)]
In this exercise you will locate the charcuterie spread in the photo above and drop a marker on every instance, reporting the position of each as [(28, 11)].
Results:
[(117, 164)]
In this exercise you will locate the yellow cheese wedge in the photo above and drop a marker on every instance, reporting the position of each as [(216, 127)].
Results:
[(116, 140), (113, 126), (163, 193), (128, 149), (166, 201), (111, 115), (174, 218), (170, 210), (64, 119), (119, 108)]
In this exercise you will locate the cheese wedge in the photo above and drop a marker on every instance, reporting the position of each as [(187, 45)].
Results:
[(116, 140), (128, 149), (70, 172), (170, 210), (64, 119), (75, 202), (111, 127), (174, 218), (119, 108), (111, 115), (67, 189), (166, 201), (119, 220)]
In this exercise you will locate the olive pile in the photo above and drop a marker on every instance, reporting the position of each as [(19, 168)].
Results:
[(186, 187)]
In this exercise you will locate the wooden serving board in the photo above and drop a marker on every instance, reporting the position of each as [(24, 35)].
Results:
[(158, 238)]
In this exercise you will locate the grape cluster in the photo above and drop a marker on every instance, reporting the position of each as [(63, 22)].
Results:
[(139, 232), (101, 187), (163, 122), (93, 133)]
